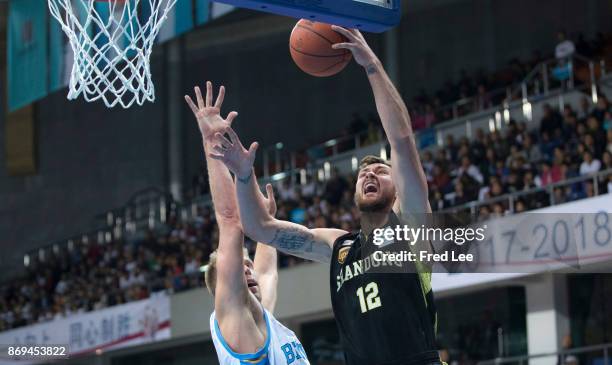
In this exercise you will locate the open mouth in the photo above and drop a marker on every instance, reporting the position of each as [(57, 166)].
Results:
[(370, 187), (251, 283)]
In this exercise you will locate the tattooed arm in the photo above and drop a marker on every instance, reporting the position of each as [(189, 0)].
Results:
[(288, 237), (257, 222)]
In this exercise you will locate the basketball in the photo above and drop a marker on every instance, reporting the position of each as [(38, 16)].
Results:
[(311, 49)]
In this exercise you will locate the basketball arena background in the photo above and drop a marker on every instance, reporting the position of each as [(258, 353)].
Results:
[(105, 220)]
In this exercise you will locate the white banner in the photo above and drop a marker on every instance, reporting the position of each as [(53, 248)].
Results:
[(120, 326), (574, 237), (505, 257)]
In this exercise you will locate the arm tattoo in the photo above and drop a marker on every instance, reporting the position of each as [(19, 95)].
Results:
[(371, 69), (293, 239)]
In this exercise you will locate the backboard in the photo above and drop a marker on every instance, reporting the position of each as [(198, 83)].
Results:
[(368, 15)]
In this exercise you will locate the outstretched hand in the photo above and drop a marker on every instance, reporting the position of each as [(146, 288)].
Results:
[(232, 153), (357, 44), (209, 114), (270, 201)]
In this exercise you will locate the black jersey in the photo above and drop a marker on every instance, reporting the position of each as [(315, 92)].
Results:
[(383, 317)]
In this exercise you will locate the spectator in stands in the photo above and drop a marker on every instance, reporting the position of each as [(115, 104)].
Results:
[(550, 175), (585, 108), (482, 100), (428, 163), (460, 197), (601, 108), (467, 168), (520, 206), (606, 160), (531, 152), (607, 120), (440, 180), (550, 121), (335, 187), (589, 164)]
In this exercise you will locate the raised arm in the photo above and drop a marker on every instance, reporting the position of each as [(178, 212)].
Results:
[(291, 238), (266, 261), (231, 289), (407, 171)]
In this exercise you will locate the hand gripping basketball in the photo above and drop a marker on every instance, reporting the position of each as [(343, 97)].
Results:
[(357, 44)]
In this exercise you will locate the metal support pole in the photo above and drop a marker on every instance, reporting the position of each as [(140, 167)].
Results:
[(551, 195), (545, 78), (277, 158), (593, 82), (571, 71), (293, 168), (173, 118)]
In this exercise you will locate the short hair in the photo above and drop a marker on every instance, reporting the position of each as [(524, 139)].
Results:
[(371, 160), (210, 275)]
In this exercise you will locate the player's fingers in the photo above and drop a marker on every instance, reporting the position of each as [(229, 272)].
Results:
[(193, 107), (270, 193), (218, 149), (224, 141), (209, 94), (221, 97), (230, 118), (199, 97), (348, 46), (234, 137), (253, 149), (356, 32), (345, 32), (217, 157)]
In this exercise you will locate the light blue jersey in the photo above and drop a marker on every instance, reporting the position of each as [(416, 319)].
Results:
[(282, 347)]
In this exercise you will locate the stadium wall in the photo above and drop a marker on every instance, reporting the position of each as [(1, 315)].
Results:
[(89, 159), (438, 41)]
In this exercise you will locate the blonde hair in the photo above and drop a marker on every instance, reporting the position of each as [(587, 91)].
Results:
[(210, 275)]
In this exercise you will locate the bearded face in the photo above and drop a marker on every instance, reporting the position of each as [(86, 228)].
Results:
[(374, 191)]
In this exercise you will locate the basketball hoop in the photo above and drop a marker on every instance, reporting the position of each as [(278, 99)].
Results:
[(112, 41)]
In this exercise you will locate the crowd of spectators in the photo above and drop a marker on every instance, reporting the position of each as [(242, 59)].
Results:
[(480, 90), (93, 275), (569, 144)]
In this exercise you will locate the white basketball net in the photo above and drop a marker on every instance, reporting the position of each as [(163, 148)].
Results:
[(112, 46)]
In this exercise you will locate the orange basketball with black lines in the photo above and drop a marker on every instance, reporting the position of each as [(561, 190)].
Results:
[(311, 49)]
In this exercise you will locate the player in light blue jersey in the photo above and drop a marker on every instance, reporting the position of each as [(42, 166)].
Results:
[(243, 329)]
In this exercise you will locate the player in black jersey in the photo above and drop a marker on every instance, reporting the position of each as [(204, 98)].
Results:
[(384, 318)]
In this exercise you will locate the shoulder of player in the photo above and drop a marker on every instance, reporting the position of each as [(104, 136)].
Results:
[(329, 235), (240, 322)]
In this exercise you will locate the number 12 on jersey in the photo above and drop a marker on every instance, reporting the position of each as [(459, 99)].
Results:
[(368, 297)]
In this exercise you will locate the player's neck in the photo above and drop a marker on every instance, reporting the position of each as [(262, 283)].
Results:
[(372, 220)]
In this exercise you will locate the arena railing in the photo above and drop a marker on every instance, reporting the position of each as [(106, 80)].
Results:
[(603, 352)]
